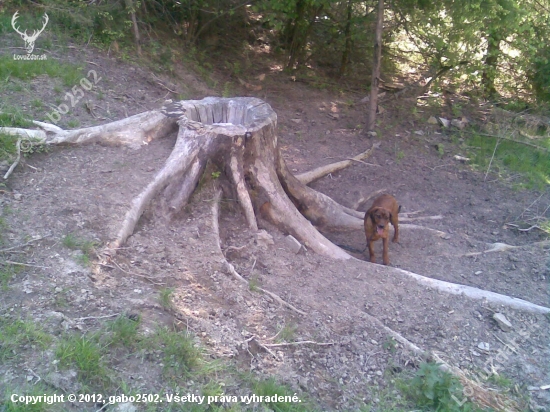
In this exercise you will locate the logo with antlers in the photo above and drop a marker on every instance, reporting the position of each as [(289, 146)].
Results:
[(29, 40)]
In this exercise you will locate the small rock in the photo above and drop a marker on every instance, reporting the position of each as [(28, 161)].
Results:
[(479, 272), (445, 122), (484, 346), (502, 322), (461, 158), (17, 196), (264, 239), (419, 132), (371, 134), (125, 407), (297, 121), (432, 120), (293, 244)]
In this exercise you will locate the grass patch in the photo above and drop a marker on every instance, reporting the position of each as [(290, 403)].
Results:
[(18, 334), (270, 387), (29, 390), (85, 354), (27, 70), (7, 272), (124, 331), (181, 356), (11, 116), (287, 333), (165, 298), (531, 163), (87, 247)]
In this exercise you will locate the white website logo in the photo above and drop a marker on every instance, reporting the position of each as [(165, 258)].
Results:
[(29, 40)]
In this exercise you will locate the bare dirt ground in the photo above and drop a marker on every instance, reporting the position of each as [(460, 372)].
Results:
[(86, 191)]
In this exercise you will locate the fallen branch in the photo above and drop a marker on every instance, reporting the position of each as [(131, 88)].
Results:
[(502, 247), (319, 172), (228, 266), (17, 159)]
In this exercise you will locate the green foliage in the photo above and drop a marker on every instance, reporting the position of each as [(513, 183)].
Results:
[(434, 389)]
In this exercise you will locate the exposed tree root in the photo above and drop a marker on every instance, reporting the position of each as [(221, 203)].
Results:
[(308, 177), (229, 267), (475, 293), (18, 149)]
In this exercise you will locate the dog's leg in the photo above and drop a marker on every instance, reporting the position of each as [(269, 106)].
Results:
[(385, 257), (371, 251), (395, 223)]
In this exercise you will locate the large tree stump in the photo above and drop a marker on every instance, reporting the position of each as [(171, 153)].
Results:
[(239, 136)]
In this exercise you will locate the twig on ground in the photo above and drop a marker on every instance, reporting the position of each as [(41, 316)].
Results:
[(95, 317), (9, 262), (24, 244), (491, 161), (302, 342)]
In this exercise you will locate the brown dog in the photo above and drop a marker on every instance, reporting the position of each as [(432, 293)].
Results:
[(384, 210)]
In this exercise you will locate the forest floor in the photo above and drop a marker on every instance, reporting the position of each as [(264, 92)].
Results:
[(74, 196)]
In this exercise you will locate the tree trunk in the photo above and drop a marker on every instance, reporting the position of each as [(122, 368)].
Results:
[(490, 64), (373, 103), (347, 46)]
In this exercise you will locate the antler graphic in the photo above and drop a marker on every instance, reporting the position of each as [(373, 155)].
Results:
[(29, 40)]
